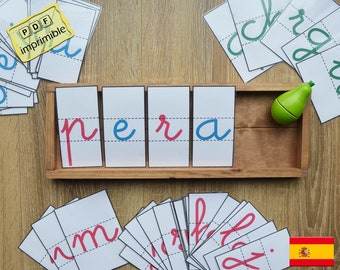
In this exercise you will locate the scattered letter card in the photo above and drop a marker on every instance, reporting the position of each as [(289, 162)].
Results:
[(222, 25), (124, 132), (52, 237), (78, 121), (168, 126), (270, 252), (316, 39), (63, 63), (296, 18), (91, 230), (326, 91), (252, 23), (213, 138)]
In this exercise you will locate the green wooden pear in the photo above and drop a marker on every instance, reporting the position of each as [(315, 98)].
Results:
[(289, 106)]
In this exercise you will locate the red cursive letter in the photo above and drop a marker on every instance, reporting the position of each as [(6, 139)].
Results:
[(163, 120), (67, 129)]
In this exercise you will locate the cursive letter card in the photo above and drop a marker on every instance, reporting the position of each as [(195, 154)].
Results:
[(91, 228), (251, 24), (33, 7), (227, 208), (124, 131), (326, 91), (168, 119), (244, 221), (78, 121), (63, 63), (148, 222), (11, 12), (135, 259), (33, 247), (295, 19), (52, 237), (14, 75), (270, 252), (182, 224), (222, 25), (135, 238), (201, 210), (256, 234), (11, 99), (213, 128), (167, 222), (197, 254), (316, 39)]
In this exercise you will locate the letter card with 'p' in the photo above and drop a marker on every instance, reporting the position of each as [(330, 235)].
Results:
[(78, 121)]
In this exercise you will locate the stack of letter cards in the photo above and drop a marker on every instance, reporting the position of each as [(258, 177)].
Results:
[(163, 134), (304, 34), (198, 231), (41, 39)]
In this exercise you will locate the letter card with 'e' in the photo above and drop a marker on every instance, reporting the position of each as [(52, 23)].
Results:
[(124, 131)]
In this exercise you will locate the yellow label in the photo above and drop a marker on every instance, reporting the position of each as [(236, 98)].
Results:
[(39, 33)]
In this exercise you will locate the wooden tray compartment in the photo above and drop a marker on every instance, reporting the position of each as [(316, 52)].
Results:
[(262, 148)]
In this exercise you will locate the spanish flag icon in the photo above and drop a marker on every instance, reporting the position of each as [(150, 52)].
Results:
[(311, 251)]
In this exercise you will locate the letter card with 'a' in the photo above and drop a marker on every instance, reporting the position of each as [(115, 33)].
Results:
[(124, 131), (213, 128), (78, 121)]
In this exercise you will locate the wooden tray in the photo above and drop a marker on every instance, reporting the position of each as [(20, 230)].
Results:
[(262, 148)]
